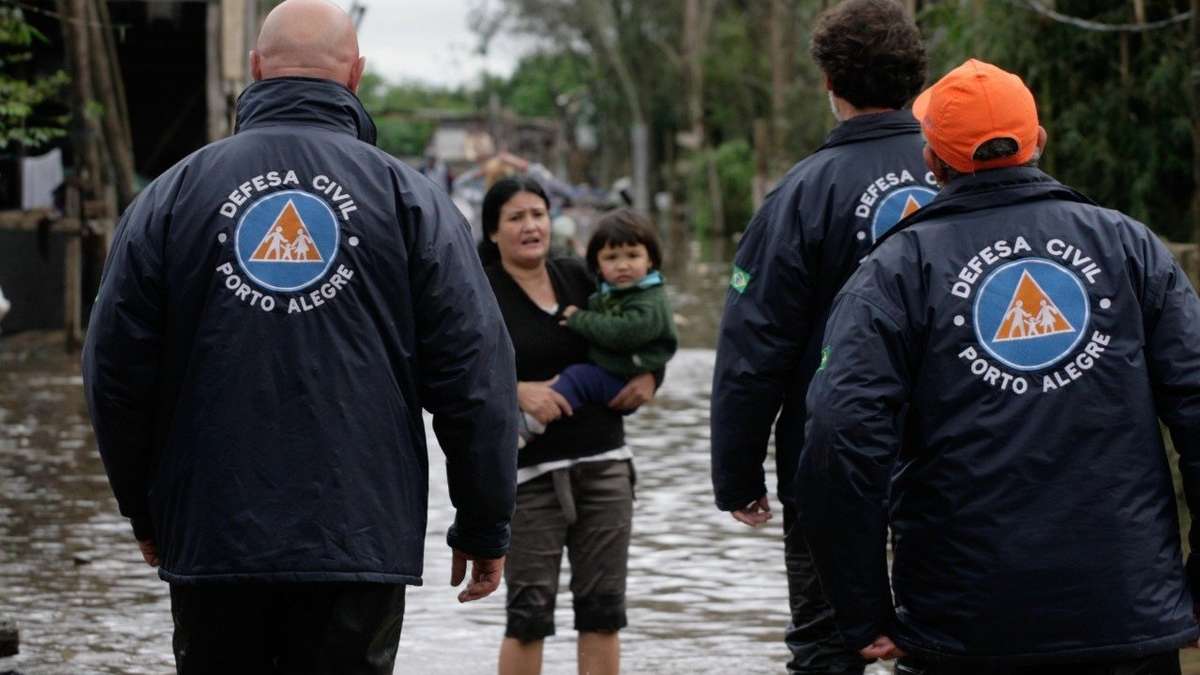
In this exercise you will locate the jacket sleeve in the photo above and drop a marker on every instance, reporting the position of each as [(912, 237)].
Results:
[(764, 327), (638, 322), (122, 357), (467, 375), (855, 405), (1171, 312)]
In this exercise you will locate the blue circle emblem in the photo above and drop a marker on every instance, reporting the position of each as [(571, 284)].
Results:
[(1031, 313), (286, 241), (897, 206)]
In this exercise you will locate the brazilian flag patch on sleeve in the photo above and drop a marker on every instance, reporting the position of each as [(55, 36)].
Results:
[(739, 280)]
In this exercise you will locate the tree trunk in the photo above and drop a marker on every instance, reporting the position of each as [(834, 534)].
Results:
[(696, 21), (639, 140), (604, 29), (780, 18), (762, 168)]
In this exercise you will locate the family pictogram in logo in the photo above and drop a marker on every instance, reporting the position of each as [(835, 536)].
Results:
[(897, 206), (287, 241), (1031, 313)]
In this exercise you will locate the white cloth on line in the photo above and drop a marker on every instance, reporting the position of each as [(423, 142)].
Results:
[(40, 177)]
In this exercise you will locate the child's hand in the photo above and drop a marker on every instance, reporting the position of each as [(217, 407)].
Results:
[(569, 310)]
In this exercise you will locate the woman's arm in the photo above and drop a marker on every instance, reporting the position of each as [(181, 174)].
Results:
[(541, 401), (637, 391)]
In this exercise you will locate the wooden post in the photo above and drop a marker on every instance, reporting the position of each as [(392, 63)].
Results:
[(86, 129), (218, 114), (73, 271), (118, 145)]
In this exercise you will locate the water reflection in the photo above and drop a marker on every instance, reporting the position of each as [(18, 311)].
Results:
[(705, 593)]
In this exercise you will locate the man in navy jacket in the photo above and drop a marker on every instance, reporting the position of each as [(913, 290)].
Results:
[(800, 247), (276, 311), (1001, 363)]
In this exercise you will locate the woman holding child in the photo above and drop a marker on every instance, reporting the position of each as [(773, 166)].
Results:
[(575, 474)]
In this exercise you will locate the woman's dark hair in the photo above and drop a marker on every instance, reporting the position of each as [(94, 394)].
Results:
[(623, 227), (872, 53), (495, 199)]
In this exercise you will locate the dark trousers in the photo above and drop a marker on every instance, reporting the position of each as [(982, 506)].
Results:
[(581, 383), (287, 628), (812, 637), (1159, 664)]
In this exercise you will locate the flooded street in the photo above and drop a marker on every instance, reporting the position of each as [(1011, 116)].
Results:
[(705, 593)]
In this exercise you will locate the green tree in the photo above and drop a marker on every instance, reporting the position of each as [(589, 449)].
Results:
[(1119, 128), (22, 98), (403, 112)]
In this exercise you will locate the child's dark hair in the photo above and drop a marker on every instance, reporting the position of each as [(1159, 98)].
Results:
[(623, 227)]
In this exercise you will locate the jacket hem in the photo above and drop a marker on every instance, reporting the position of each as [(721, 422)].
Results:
[(288, 577), (1082, 654)]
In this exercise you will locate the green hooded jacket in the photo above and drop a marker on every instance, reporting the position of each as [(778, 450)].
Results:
[(630, 330)]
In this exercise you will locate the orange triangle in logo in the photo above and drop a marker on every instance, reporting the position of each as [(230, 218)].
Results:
[(287, 240), (911, 206), (1031, 314)]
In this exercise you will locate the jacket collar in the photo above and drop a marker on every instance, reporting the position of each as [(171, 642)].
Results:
[(650, 280), (989, 189), (306, 101), (872, 126)]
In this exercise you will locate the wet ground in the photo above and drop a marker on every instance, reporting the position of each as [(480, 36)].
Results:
[(706, 594)]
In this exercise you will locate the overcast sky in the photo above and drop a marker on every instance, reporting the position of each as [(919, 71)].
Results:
[(429, 40)]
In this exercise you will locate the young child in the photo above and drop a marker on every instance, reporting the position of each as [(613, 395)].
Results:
[(628, 322)]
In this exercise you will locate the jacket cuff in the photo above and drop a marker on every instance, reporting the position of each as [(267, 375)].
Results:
[(859, 637), (739, 500), (143, 529), (489, 544)]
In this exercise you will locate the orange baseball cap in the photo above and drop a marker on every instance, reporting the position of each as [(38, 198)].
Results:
[(975, 103)]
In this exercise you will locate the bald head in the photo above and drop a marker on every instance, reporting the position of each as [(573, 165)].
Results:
[(308, 38)]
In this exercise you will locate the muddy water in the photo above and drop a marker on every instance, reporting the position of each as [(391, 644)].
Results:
[(705, 593)]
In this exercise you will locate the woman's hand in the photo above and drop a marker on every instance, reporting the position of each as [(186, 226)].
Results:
[(638, 390), (566, 314), (539, 400)]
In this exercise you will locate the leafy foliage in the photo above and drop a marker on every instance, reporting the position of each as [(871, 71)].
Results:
[(1119, 128), (21, 99), (735, 168), (1113, 104), (401, 111), (538, 82)]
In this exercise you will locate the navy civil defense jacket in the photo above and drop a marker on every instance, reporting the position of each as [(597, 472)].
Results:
[(797, 251), (275, 312), (1003, 358)]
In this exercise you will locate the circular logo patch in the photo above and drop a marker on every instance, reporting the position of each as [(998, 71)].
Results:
[(1031, 313), (897, 206), (287, 241)]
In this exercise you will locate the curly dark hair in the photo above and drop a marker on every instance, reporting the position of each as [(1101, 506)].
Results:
[(872, 53)]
